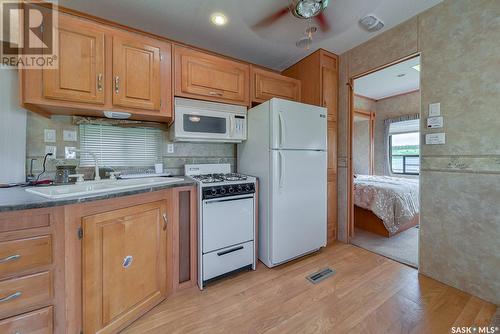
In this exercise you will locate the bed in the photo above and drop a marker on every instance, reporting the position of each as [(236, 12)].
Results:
[(385, 205)]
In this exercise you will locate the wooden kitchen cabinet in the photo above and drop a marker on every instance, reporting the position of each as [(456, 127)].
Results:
[(32, 271), (80, 75), (265, 85), (102, 68), (318, 74), (137, 73), (124, 265), (205, 76)]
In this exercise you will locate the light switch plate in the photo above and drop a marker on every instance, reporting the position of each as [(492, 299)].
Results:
[(51, 149), (69, 152), (69, 135), (435, 138), (170, 148), (49, 135), (434, 109), (435, 122)]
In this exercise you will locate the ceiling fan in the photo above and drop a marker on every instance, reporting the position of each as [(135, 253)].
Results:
[(302, 9)]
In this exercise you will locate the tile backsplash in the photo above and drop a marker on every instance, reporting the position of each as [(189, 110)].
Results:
[(184, 153)]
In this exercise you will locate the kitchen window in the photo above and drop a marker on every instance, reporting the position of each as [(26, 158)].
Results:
[(404, 147), (117, 146)]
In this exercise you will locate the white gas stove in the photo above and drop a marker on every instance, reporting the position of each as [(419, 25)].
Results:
[(226, 220)]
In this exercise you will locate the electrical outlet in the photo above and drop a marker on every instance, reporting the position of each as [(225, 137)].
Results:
[(170, 148), (69, 152), (51, 149), (69, 135), (49, 135)]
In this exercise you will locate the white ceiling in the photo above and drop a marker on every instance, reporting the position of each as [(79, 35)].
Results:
[(389, 82), (274, 47)]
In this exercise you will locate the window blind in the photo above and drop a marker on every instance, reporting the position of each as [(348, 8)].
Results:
[(118, 146), (412, 125)]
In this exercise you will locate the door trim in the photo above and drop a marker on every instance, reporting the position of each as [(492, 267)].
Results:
[(351, 110)]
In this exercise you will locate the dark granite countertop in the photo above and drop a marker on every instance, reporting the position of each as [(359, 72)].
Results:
[(17, 198)]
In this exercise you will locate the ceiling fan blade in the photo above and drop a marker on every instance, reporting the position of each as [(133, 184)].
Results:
[(272, 18), (323, 23)]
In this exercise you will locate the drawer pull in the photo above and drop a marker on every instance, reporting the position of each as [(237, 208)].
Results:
[(229, 251), (10, 258), (165, 222), (127, 261), (215, 93), (11, 297)]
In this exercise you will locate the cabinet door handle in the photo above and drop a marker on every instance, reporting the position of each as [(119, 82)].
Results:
[(165, 221), (10, 258), (99, 82), (127, 261), (117, 84), (11, 297), (215, 93)]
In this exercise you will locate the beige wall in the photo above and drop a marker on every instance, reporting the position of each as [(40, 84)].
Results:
[(460, 181), (361, 147), (184, 153)]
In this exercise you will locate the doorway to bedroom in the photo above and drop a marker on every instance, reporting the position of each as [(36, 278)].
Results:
[(385, 151)]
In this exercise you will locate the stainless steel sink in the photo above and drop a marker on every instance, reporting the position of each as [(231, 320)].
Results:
[(98, 187)]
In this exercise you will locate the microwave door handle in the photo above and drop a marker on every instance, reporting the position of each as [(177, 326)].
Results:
[(282, 129), (231, 125)]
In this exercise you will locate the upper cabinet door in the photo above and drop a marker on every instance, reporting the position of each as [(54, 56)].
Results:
[(137, 73), (329, 83), (266, 84), (205, 76), (80, 76), (330, 87)]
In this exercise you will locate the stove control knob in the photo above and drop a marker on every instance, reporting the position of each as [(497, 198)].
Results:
[(214, 191), (239, 188), (231, 190), (248, 188), (222, 190)]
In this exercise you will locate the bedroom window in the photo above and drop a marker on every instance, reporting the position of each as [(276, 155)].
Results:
[(404, 147), (119, 146)]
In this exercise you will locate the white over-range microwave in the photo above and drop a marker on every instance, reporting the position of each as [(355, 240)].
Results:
[(209, 121)]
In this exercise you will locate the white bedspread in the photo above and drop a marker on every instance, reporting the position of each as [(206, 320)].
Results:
[(395, 200)]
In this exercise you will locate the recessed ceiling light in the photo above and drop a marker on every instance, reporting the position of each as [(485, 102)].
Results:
[(218, 19), (416, 67)]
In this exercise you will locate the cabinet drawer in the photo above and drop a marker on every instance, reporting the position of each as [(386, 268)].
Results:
[(14, 222), (37, 322), (24, 254), (25, 293), (227, 259)]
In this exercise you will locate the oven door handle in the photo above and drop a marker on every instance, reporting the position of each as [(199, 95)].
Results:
[(227, 199), (230, 250)]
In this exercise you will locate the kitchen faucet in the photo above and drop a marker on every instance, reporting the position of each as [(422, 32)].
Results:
[(97, 177)]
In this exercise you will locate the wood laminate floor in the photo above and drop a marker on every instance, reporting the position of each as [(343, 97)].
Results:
[(368, 294)]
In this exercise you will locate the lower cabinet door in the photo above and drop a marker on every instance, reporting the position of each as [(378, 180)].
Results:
[(124, 265)]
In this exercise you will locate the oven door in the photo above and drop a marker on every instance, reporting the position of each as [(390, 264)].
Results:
[(227, 221), (191, 124)]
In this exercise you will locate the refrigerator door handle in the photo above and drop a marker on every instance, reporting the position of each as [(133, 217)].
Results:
[(282, 129), (282, 169)]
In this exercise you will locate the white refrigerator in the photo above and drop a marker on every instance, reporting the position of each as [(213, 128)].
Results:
[(286, 148)]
